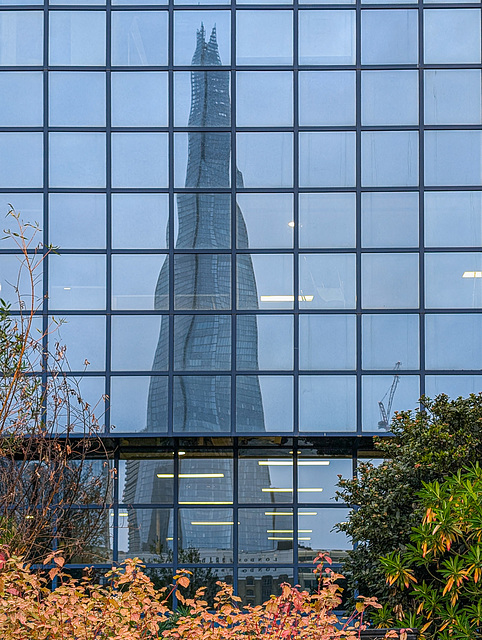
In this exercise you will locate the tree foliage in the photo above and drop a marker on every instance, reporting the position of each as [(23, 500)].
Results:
[(427, 445)]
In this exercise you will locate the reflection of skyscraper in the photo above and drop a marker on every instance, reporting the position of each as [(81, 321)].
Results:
[(202, 404)]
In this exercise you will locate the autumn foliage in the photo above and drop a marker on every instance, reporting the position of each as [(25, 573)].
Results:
[(128, 607)]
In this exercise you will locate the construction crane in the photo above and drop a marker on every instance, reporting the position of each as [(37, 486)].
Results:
[(385, 413)]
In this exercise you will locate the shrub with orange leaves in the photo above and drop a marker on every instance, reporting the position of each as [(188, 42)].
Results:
[(128, 607)]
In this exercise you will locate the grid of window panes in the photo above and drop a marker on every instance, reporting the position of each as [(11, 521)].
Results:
[(269, 216)]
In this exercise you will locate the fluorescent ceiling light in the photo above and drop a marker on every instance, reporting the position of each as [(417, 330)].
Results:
[(307, 513), (271, 490), (191, 475), (286, 298), (123, 514), (200, 523), (472, 274), (289, 463), (310, 489), (278, 538), (278, 513), (291, 223)]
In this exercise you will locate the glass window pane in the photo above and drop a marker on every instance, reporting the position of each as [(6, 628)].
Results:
[(264, 98), (77, 220), (202, 38), (147, 481), (217, 467), (265, 536), (265, 477), (77, 159), (453, 218), (76, 99), (377, 391), (389, 158), (264, 220), (389, 97), (390, 219), (77, 38), (134, 343), (185, 112), (139, 99), (21, 160), (390, 36), (452, 386), (327, 342), (139, 38), (327, 37), (202, 343), (22, 38), (264, 342), (92, 391), (28, 205), (145, 534), (326, 98), (264, 403), (389, 281), (139, 160), (202, 281), (15, 109), (318, 478), (327, 403), (453, 158), (138, 403), (140, 282), (15, 285), (77, 281), (452, 96), (206, 535), (202, 159), (264, 159), (461, 337), (327, 159), (264, 37), (202, 220), (453, 280), (264, 281), (327, 220), (389, 340), (327, 281), (202, 404), (316, 534), (139, 220), (451, 36), (84, 340)]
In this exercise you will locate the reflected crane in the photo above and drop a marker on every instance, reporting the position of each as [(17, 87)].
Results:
[(385, 413)]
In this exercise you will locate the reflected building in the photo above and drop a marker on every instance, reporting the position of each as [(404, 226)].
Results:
[(202, 404)]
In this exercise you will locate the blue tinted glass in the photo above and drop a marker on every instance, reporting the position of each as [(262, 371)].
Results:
[(15, 109), (139, 221), (77, 159), (202, 281), (194, 31), (390, 339), (139, 38), (212, 213), (327, 403), (326, 98), (272, 347), (129, 404), (389, 281), (327, 220), (453, 280), (30, 208), (452, 96), (21, 160), (139, 99), (264, 98), (84, 339), (202, 159), (389, 158), (76, 99), (451, 36), (264, 281), (264, 403), (327, 342), (390, 37), (134, 342), (389, 97), (139, 160), (264, 159), (218, 81), (135, 282), (264, 37), (453, 158), (22, 38), (327, 281), (390, 219), (202, 342), (453, 218), (327, 37), (77, 38), (453, 386), (203, 414), (461, 337), (265, 220), (77, 220), (77, 282), (376, 390), (327, 159), (15, 286)]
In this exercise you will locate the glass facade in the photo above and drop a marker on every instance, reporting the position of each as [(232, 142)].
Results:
[(270, 223)]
